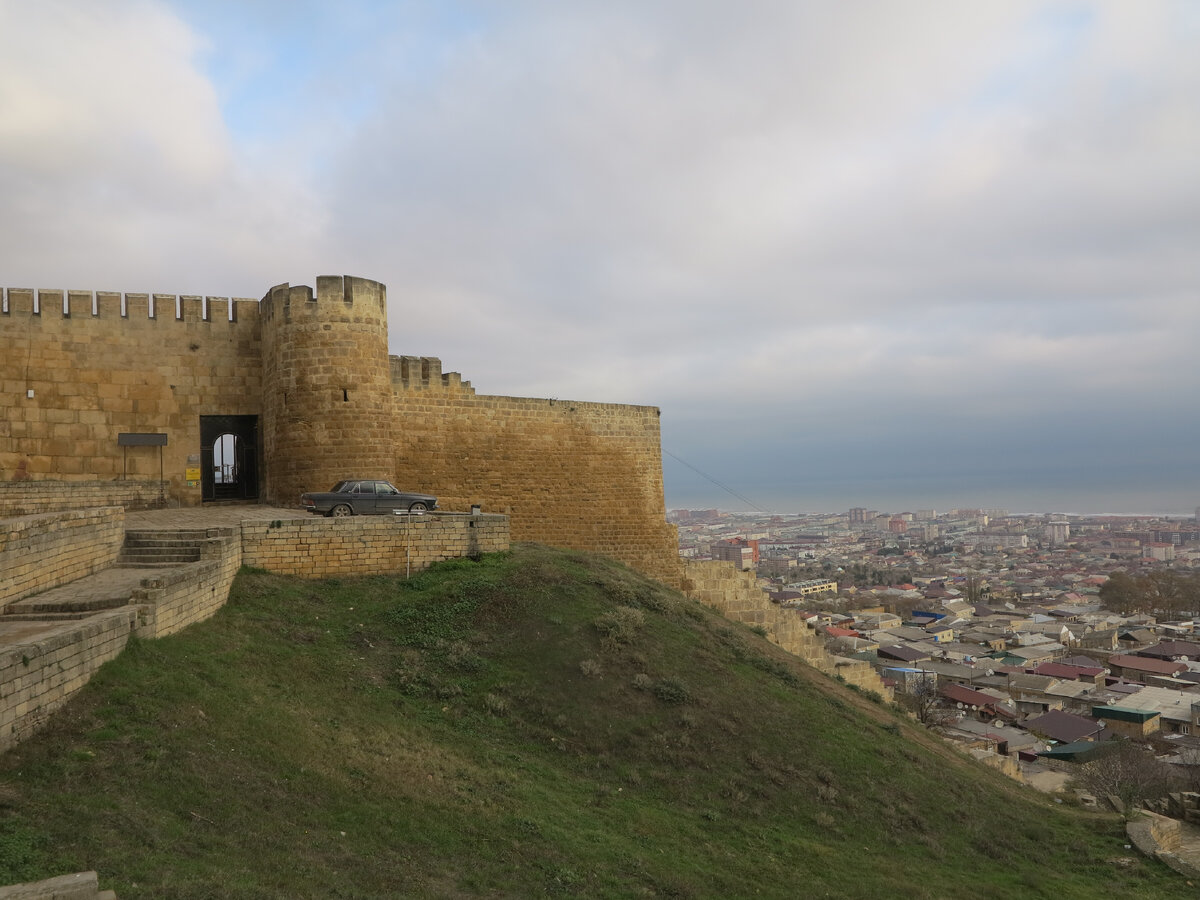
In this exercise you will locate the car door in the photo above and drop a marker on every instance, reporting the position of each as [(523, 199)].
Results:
[(364, 498), (388, 499)]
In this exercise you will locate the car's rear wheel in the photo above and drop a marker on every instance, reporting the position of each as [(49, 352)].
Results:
[(419, 506), (341, 510)]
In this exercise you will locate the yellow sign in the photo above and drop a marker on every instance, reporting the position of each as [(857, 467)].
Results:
[(193, 474)]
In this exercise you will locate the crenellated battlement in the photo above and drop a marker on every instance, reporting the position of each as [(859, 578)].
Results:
[(110, 305), (337, 297), (414, 373)]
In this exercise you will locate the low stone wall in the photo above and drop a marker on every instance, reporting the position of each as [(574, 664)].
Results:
[(37, 676), (1159, 837), (736, 595), (38, 552), (169, 602), (23, 498), (1006, 765), (369, 545)]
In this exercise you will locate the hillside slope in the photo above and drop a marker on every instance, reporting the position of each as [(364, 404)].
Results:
[(538, 723)]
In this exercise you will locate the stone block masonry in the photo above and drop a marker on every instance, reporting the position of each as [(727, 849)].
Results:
[(80, 367), (369, 545), (23, 498), (37, 677), (43, 551), (736, 595), (587, 476), (170, 602)]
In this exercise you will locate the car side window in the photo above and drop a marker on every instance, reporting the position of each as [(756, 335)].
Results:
[(384, 488), (357, 488)]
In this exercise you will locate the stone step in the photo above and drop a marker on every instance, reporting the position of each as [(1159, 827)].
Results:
[(81, 605), (156, 549), (157, 557)]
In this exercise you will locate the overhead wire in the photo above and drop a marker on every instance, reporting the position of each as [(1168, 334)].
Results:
[(723, 487)]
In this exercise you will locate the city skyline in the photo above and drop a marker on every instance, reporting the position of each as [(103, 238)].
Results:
[(857, 255)]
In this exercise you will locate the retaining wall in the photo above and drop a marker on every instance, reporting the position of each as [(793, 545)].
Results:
[(43, 551), (173, 600), (37, 677), (736, 595), (369, 545), (25, 498)]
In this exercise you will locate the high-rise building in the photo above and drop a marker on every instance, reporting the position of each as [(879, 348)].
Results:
[(1058, 532)]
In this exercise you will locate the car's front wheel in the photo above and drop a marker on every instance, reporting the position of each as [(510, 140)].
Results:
[(341, 510), (419, 506)]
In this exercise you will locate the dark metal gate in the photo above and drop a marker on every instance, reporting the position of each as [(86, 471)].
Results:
[(228, 458)]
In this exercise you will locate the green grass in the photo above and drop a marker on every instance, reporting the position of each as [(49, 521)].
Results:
[(538, 723)]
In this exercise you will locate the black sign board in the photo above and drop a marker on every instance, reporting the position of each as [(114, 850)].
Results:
[(141, 439)]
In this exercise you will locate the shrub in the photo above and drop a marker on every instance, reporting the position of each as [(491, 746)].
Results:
[(668, 690), (621, 625)]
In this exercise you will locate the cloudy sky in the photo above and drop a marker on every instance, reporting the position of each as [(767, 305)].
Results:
[(887, 254)]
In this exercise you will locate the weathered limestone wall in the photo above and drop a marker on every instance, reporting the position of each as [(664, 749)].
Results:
[(736, 595), (43, 551), (94, 374), (586, 476), (38, 676), (25, 498), (171, 601), (369, 545), (327, 396)]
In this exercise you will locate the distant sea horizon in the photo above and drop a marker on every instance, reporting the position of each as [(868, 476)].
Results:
[(1047, 502)]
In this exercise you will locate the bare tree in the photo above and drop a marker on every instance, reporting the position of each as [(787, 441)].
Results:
[(1128, 772), (924, 700)]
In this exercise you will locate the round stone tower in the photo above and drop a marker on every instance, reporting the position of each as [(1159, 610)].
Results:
[(327, 395)]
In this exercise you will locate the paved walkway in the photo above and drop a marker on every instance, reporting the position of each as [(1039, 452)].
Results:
[(208, 516)]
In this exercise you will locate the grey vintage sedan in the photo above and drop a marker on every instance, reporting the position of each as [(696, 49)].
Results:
[(365, 498)]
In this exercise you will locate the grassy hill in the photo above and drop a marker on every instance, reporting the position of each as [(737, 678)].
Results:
[(538, 723)]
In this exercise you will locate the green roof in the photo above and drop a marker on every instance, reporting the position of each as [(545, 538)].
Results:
[(1076, 751), (1124, 714)]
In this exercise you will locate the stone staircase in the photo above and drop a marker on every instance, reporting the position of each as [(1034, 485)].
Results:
[(141, 554), (161, 549)]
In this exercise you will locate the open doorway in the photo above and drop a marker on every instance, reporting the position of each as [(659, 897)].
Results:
[(229, 458)]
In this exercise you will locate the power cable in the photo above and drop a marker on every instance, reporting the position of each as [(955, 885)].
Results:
[(723, 487)]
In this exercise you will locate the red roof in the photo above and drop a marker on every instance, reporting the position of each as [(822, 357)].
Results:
[(1075, 673), (834, 631), (956, 693), (1143, 664)]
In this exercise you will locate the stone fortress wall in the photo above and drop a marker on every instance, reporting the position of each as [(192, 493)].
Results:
[(103, 363), (77, 368)]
